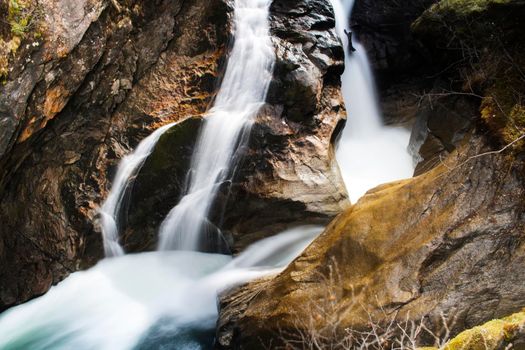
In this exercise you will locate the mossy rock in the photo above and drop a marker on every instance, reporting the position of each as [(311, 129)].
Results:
[(506, 333), (484, 40), (159, 184), (467, 7)]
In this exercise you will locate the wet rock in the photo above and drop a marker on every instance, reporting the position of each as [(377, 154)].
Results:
[(287, 173), (440, 243), (159, 186), (96, 82)]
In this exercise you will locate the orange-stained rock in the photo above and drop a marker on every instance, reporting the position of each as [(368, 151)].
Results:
[(78, 99)]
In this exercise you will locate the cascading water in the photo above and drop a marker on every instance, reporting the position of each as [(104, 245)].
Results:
[(242, 93), (369, 153), (127, 169), (167, 299), (146, 301)]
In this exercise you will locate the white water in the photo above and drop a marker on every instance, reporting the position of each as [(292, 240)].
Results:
[(242, 93), (369, 153), (144, 301), (128, 167)]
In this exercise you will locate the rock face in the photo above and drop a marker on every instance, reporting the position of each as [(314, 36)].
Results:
[(287, 173), (88, 81), (450, 241), (415, 88)]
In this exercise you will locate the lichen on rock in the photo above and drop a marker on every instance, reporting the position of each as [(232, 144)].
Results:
[(505, 333)]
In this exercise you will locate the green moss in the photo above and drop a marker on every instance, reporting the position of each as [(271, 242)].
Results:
[(175, 138), (23, 17), (496, 334), (19, 17), (465, 7)]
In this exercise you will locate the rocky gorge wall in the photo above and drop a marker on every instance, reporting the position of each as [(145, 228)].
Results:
[(88, 81), (84, 82)]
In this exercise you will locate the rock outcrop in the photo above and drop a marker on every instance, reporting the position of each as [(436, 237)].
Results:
[(287, 173), (448, 242), (87, 81)]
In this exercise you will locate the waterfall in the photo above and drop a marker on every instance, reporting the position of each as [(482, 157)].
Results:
[(242, 92), (128, 167), (159, 300), (369, 153), (167, 299)]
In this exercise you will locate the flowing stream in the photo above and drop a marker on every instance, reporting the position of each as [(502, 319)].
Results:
[(159, 300), (242, 93), (369, 153), (128, 167)]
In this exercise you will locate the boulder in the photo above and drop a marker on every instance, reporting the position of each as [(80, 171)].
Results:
[(449, 242)]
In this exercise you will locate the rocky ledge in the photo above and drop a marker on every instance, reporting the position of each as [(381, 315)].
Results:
[(449, 242)]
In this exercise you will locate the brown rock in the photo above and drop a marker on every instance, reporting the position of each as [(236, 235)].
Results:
[(450, 241)]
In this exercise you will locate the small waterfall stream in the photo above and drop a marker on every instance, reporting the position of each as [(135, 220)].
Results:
[(242, 93), (369, 153), (129, 166)]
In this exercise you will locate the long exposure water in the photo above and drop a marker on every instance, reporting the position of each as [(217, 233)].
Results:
[(168, 299), (369, 153), (241, 94)]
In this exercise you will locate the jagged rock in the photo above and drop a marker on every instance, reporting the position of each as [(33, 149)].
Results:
[(450, 241), (287, 173), (440, 126), (77, 99)]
